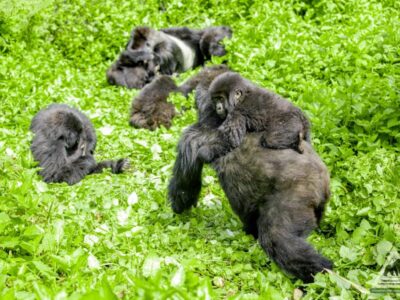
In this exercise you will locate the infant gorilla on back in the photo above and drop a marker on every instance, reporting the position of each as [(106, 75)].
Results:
[(279, 195), (245, 107), (64, 144)]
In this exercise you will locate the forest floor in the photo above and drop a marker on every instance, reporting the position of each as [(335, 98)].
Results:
[(115, 235)]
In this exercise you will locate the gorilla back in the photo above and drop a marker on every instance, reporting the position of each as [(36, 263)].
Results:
[(280, 197)]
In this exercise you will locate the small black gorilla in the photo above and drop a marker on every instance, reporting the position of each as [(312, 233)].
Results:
[(167, 51), (279, 195), (64, 144), (245, 107), (150, 108)]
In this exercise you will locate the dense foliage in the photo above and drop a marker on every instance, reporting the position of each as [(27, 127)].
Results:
[(115, 235)]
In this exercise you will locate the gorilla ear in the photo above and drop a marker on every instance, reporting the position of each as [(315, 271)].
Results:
[(238, 96), (139, 36)]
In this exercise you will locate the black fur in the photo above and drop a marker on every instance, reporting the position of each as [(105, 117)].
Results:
[(201, 81), (245, 107), (150, 108), (133, 69), (278, 194), (166, 54), (64, 145)]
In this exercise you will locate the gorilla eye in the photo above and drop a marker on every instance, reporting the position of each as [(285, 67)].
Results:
[(238, 94), (218, 99)]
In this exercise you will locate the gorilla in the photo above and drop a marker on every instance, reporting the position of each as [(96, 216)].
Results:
[(245, 107), (279, 195), (64, 145), (150, 108), (201, 81), (168, 51), (133, 69)]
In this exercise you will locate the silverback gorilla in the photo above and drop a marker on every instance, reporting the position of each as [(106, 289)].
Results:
[(279, 195), (64, 144), (165, 51)]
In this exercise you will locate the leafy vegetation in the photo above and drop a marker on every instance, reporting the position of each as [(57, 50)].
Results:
[(115, 235)]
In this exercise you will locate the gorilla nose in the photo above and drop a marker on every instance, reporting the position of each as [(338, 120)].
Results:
[(220, 109), (83, 149)]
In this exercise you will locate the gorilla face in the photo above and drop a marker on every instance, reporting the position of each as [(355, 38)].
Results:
[(226, 92)]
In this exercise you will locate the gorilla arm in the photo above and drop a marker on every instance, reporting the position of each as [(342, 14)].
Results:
[(116, 166), (230, 135)]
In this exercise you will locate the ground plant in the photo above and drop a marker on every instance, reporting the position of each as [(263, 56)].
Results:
[(115, 236)]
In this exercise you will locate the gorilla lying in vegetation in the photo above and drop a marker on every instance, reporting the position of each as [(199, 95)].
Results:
[(279, 195), (150, 108), (64, 144), (167, 51)]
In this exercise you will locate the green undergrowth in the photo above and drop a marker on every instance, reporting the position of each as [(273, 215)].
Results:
[(115, 236)]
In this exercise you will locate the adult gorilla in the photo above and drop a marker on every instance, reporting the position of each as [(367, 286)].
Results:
[(279, 195)]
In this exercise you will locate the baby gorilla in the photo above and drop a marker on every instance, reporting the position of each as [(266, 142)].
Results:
[(245, 107), (150, 108), (64, 144)]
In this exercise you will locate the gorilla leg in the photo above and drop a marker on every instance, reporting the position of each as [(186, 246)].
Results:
[(283, 225), (290, 136), (250, 221)]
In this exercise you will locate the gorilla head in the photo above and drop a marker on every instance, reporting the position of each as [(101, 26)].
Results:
[(210, 42), (227, 91)]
